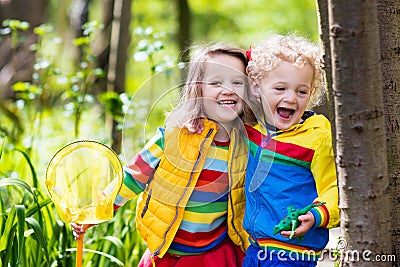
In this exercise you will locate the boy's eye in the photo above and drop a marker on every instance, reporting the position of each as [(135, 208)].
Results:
[(280, 88), (303, 92)]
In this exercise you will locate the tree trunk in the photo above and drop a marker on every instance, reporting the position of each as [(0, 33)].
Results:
[(79, 15), (120, 38), (102, 47), (329, 107), (361, 144), (34, 12), (389, 29), (184, 23)]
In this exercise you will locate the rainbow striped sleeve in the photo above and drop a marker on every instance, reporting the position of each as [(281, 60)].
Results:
[(141, 168), (321, 215)]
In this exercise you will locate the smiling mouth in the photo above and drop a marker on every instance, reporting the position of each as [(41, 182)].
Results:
[(227, 103), (285, 112)]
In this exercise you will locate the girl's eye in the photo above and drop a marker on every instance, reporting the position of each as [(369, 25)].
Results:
[(280, 88), (215, 83), (238, 83)]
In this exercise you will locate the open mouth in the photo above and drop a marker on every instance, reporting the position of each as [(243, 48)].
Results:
[(227, 103), (285, 112)]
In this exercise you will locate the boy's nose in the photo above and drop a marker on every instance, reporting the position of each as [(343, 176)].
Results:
[(290, 96)]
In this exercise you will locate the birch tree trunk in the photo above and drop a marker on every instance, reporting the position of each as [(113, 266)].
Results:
[(389, 29), (361, 144)]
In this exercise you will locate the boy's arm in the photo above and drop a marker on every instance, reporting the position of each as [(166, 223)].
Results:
[(324, 170)]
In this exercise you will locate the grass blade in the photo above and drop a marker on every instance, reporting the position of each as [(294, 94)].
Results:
[(20, 210), (39, 235), (31, 167)]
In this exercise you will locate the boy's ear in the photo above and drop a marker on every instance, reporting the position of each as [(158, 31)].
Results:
[(255, 90)]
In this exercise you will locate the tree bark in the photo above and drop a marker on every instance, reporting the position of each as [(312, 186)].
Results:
[(79, 15), (389, 29), (102, 48), (120, 38), (361, 144), (329, 107), (34, 12), (184, 23)]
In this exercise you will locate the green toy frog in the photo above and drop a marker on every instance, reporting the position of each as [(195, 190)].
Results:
[(291, 221)]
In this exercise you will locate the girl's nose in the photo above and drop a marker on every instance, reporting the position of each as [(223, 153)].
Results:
[(226, 90)]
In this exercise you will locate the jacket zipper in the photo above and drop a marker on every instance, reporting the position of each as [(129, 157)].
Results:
[(157, 251), (146, 204), (254, 216)]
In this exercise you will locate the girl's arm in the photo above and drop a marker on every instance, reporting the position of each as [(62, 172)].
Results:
[(137, 175), (141, 169)]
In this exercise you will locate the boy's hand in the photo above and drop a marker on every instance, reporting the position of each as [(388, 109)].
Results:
[(306, 223)]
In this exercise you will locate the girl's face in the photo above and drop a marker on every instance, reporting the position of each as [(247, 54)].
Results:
[(285, 93), (223, 89)]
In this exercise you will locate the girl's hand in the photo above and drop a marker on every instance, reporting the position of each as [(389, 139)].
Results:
[(80, 229), (306, 223)]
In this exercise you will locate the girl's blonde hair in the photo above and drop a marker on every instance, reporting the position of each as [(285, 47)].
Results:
[(191, 94), (293, 49)]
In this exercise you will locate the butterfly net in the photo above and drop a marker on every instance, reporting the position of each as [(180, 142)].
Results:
[(83, 179)]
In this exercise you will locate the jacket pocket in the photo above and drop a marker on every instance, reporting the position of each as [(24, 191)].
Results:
[(146, 205)]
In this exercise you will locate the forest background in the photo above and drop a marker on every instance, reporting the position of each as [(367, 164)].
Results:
[(109, 70)]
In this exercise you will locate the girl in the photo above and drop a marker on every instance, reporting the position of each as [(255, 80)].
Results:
[(192, 203), (291, 161)]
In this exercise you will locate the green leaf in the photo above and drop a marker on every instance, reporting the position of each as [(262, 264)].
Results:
[(31, 167), (2, 146), (35, 208), (81, 41), (41, 30), (112, 258), (39, 235), (17, 182), (15, 24), (9, 230), (21, 86), (20, 210)]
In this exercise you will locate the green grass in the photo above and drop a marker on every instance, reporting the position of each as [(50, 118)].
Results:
[(31, 232)]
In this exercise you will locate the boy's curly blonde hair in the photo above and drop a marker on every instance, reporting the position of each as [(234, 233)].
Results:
[(293, 49)]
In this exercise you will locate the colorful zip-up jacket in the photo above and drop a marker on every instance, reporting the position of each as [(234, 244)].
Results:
[(295, 167), (162, 204)]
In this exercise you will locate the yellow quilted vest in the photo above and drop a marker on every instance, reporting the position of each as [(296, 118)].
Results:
[(161, 206)]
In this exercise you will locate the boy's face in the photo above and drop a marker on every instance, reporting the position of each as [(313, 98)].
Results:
[(285, 93), (223, 88)]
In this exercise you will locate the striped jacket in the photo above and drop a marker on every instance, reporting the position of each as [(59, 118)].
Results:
[(291, 168)]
